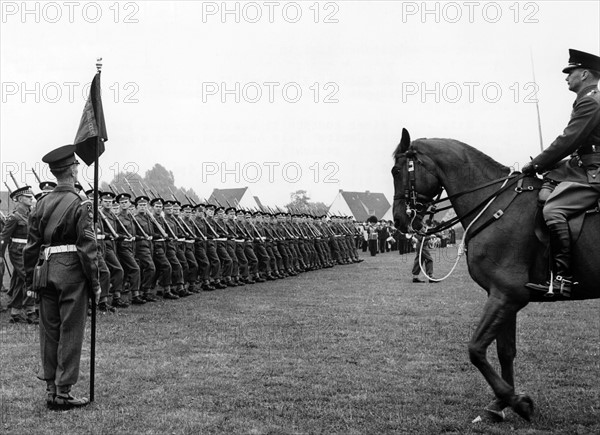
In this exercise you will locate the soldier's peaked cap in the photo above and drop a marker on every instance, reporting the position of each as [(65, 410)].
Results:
[(106, 195), (25, 190), (581, 59), (156, 200), (120, 196), (141, 198), (45, 185), (60, 157)]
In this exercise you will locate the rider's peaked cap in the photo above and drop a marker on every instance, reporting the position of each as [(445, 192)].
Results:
[(581, 59)]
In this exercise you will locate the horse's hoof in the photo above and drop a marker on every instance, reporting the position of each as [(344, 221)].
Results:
[(523, 406), (495, 416), (495, 410)]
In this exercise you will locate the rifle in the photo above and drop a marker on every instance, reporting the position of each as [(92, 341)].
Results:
[(135, 221), (9, 191), (14, 180), (129, 236), (36, 176)]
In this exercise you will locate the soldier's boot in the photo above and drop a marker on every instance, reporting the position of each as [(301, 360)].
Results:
[(560, 247), (149, 297), (137, 299), (181, 291), (50, 393), (239, 281), (117, 302), (33, 317), (17, 316), (229, 282), (167, 293), (65, 400), (259, 278), (207, 286), (220, 285), (192, 288)]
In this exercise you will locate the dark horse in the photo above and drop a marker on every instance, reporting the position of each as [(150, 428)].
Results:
[(502, 256)]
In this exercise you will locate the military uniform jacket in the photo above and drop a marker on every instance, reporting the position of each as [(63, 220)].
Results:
[(15, 228), (579, 139), (218, 226), (170, 227), (125, 225), (75, 227), (146, 224)]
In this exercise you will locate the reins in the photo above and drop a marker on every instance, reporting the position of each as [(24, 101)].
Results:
[(428, 205)]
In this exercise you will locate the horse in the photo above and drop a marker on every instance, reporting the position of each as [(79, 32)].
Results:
[(502, 250)]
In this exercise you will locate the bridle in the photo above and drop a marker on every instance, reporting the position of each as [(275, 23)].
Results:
[(420, 205), (417, 204)]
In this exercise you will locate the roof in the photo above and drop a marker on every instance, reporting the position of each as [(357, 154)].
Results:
[(227, 197), (365, 204)]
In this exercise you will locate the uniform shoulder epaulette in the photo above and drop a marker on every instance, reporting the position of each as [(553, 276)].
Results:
[(592, 92)]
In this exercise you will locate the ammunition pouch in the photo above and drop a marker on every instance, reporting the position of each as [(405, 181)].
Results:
[(40, 275)]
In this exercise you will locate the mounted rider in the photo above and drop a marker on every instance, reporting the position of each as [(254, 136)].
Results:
[(577, 179)]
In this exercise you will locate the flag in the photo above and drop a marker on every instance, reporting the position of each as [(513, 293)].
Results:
[(92, 129)]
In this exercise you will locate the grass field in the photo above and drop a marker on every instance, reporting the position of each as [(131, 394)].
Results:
[(356, 349)]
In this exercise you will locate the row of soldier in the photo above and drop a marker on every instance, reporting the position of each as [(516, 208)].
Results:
[(156, 248)]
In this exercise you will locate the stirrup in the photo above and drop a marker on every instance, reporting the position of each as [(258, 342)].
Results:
[(565, 285)]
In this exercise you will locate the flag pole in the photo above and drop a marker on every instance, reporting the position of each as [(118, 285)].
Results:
[(94, 307), (537, 106)]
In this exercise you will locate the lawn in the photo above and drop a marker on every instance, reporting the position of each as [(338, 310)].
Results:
[(357, 349)]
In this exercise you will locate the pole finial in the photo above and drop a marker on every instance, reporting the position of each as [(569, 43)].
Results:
[(99, 64)]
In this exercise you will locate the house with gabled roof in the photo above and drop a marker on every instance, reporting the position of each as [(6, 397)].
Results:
[(361, 205), (237, 197)]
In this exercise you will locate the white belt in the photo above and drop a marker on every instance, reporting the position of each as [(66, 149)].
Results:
[(14, 240), (222, 239), (240, 240), (100, 236), (159, 240), (189, 241), (58, 249)]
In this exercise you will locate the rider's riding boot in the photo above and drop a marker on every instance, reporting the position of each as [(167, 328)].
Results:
[(560, 246)]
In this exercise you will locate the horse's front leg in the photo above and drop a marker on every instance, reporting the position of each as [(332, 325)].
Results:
[(507, 351), (499, 317)]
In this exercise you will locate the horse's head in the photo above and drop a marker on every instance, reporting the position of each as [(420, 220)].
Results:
[(416, 184)]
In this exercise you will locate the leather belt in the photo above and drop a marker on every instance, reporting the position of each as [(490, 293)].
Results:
[(15, 240), (59, 249)]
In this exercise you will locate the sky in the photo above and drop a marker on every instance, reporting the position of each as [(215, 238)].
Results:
[(284, 96)]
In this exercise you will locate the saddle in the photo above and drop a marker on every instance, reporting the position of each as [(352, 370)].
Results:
[(575, 225)]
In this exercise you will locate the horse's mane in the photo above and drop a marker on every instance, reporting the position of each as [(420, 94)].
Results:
[(453, 146)]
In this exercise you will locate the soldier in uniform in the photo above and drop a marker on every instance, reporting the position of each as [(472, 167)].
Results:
[(170, 227), (2, 265), (159, 252), (125, 248), (104, 272), (578, 178), (62, 251), (109, 225), (14, 236), (212, 273), (143, 248), (221, 246), (191, 274)]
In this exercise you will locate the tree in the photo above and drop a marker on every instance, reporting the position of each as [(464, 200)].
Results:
[(300, 203), (157, 181)]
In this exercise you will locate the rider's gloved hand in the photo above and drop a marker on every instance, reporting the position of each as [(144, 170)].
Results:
[(529, 169)]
